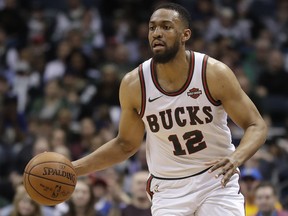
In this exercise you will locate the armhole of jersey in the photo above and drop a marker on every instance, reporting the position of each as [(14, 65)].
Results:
[(143, 91), (205, 85)]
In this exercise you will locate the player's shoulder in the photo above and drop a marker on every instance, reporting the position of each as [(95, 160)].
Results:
[(131, 79), (130, 84), (218, 71), (216, 66), (130, 89), (220, 79)]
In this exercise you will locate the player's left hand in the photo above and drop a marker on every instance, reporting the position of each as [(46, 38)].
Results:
[(225, 166)]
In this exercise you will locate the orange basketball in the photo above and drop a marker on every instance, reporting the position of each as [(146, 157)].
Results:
[(49, 178)]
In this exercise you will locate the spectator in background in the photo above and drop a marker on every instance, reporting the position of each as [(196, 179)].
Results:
[(202, 13), (64, 150), (23, 205), (82, 25), (47, 107), (7, 54), (140, 204), (100, 191), (105, 103), (266, 200), (38, 64), (11, 129), (37, 24), (118, 54), (272, 86), (45, 128), (250, 179), (91, 28), (19, 156), (56, 68), (256, 61), (58, 142), (278, 24), (21, 84), (247, 87), (108, 87), (24, 155), (81, 202), (58, 138), (66, 122), (68, 20), (115, 195), (273, 80), (78, 63), (75, 39), (226, 25), (79, 87), (13, 21), (135, 164), (84, 145)]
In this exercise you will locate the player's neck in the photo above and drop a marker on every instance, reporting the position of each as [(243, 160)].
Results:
[(172, 75), (177, 66)]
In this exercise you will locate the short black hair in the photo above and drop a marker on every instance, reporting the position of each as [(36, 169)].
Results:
[(183, 12)]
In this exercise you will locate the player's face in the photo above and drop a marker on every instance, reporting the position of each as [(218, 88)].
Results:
[(165, 35)]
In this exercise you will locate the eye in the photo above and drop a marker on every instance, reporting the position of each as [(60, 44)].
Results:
[(151, 28), (166, 27)]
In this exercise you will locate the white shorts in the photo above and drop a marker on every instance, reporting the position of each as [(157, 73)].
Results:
[(200, 195)]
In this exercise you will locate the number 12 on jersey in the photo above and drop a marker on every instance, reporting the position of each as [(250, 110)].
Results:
[(193, 141)]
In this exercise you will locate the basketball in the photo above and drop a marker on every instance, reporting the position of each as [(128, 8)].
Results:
[(49, 178)]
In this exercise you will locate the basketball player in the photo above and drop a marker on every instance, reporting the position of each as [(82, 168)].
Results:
[(182, 99)]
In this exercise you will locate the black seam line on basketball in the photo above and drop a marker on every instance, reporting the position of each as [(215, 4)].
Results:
[(72, 185), (151, 100), (52, 162)]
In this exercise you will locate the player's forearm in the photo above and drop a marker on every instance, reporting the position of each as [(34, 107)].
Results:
[(107, 155), (253, 138)]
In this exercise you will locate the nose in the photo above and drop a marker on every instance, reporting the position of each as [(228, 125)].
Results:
[(157, 33)]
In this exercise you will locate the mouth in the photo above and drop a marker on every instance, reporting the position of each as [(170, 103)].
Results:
[(157, 45)]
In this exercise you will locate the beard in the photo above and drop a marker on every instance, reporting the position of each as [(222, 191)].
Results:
[(168, 55)]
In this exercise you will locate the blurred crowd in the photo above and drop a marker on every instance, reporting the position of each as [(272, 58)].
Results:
[(61, 64)]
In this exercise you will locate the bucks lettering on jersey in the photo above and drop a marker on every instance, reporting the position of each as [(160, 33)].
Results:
[(186, 128)]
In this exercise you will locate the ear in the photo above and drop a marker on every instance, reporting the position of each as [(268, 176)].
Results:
[(186, 35)]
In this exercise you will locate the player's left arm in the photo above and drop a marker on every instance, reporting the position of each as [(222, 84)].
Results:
[(224, 86)]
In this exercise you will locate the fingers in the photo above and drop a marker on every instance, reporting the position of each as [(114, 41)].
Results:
[(211, 162), (224, 168), (218, 165), (227, 177)]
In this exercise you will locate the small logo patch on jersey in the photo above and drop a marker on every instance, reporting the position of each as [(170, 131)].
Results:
[(194, 93), (156, 189), (153, 99)]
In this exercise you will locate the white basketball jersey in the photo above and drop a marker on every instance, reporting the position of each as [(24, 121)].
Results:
[(186, 128)]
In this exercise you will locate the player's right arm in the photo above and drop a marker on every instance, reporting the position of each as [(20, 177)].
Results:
[(130, 135)]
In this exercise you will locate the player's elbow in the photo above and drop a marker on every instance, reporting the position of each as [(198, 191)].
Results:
[(262, 129), (127, 146)]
